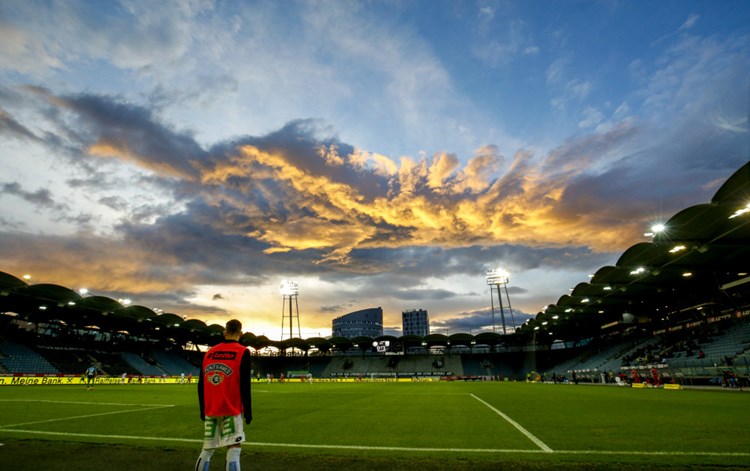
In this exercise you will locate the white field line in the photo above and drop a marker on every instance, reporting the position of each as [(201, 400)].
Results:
[(395, 448), (4, 427), (518, 426), (86, 403), (354, 393)]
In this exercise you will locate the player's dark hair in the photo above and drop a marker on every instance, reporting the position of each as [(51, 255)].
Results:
[(233, 327)]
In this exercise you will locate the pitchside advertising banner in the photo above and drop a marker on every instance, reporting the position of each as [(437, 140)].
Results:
[(56, 380)]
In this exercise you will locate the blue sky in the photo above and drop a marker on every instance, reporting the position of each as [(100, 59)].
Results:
[(192, 155)]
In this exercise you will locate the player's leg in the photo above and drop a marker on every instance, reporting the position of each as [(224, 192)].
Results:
[(204, 460), (211, 437), (232, 436), (233, 458)]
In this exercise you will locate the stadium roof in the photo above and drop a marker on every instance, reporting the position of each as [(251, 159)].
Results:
[(693, 267)]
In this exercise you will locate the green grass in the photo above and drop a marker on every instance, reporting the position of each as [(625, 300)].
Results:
[(364, 426)]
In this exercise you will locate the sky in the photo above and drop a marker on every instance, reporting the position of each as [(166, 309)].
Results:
[(192, 155)]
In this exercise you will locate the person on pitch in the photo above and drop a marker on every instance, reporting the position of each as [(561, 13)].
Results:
[(224, 398), (90, 377)]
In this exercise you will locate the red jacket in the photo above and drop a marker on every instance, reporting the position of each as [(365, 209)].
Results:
[(224, 383)]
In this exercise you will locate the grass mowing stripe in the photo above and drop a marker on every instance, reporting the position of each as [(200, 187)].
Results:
[(389, 448), (96, 435), (518, 426), (86, 403), (738, 454), (3, 427)]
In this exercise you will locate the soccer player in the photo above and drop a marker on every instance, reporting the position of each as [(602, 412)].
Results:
[(90, 376), (224, 397)]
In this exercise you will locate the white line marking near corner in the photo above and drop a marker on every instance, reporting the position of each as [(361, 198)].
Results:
[(3, 427), (96, 435), (87, 403), (518, 426)]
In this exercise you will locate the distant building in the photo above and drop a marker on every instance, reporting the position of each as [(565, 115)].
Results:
[(367, 323), (415, 322)]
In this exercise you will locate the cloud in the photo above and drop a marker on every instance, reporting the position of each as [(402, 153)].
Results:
[(556, 69), (479, 321), (41, 198), (13, 128), (690, 22), (298, 190), (499, 44), (129, 133), (591, 117)]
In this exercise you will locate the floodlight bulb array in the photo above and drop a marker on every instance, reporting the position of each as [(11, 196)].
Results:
[(289, 288), (497, 276)]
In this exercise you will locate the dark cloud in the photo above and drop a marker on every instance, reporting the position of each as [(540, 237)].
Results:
[(337, 308), (42, 198), (479, 321), (82, 220), (110, 127), (416, 263), (115, 202), (12, 128), (422, 294)]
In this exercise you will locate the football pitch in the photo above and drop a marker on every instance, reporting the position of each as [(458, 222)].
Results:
[(364, 426)]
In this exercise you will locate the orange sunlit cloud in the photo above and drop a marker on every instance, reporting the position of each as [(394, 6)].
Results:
[(435, 202)]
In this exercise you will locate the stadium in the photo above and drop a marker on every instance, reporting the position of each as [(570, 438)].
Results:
[(645, 365)]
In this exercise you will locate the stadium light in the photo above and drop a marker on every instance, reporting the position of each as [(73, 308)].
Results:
[(496, 277), (656, 229), (289, 288), (289, 291), (83, 291), (740, 211)]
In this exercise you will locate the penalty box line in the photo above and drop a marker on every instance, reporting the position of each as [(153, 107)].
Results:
[(518, 426), (395, 448)]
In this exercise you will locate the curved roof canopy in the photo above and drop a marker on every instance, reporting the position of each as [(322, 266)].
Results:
[(696, 266)]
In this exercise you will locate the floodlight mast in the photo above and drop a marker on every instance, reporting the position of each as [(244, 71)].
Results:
[(289, 290), (496, 277)]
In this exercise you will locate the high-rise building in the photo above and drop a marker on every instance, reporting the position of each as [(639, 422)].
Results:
[(415, 322), (366, 322)]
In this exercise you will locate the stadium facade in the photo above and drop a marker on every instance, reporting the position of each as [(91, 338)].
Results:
[(362, 323)]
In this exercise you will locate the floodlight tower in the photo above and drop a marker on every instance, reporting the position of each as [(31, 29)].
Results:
[(289, 290), (496, 277)]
